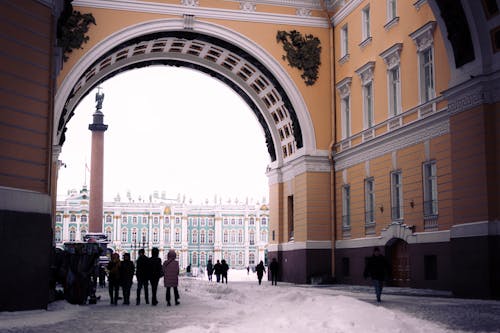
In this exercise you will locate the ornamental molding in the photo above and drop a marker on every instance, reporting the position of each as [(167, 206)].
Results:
[(424, 36), (344, 87), (188, 22), (190, 3), (303, 12), (345, 11), (391, 56), (312, 4), (247, 6), (420, 131), (206, 12), (365, 72), (303, 164)]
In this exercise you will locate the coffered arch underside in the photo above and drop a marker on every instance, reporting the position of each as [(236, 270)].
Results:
[(245, 74)]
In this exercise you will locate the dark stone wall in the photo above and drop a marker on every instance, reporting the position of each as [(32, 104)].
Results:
[(25, 247), (300, 266)]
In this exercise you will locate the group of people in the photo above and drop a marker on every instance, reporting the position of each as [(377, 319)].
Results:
[(273, 268), (147, 271), (219, 269)]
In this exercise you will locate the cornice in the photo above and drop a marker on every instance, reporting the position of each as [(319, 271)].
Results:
[(345, 11), (313, 4), (427, 128), (204, 12), (300, 165)]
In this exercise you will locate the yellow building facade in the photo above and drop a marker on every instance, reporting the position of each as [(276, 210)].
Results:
[(394, 144)]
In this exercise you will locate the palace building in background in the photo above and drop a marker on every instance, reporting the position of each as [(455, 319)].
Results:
[(381, 120), (237, 232)]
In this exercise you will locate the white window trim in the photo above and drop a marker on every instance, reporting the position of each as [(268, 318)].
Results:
[(399, 198), (392, 58), (365, 23), (392, 18), (365, 73), (344, 42), (424, 40), (344, 90), (426, 189)]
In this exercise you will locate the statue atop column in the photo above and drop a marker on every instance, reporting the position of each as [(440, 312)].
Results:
[(99, 97)]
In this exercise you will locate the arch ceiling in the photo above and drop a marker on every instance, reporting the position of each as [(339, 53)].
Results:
[(248, 70)]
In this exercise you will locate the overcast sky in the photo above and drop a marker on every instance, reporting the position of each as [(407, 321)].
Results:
[(169, 129)]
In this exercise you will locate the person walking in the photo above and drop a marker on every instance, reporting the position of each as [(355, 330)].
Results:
[(218, 270), (210, 269), (260, 269), (273, 267), (142, 275), (224, 269), (376, 268), (171, 276), (127, 269), (156, 272), (113, 268)]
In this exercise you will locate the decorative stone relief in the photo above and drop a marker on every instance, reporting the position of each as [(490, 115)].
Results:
[(391, 56), (303, 12), (365, 72), (190, 3), (344, 87), (188, 22), (247, 6), (424, 36)]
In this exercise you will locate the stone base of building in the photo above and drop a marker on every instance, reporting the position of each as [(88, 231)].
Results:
[(303, 265), (25, 247)]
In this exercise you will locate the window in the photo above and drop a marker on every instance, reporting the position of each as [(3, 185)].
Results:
[(194, 236), (251, 237), (57, 236), (251, 259), (251, 221), (166, 234), (391, 10), (366, 23), (83, 232), (195, 259), (177, 220), (369, 201), (83, 218), (124, 219), (108, 219), (203, 222), (368, 104), (233, 221), (344, 41), (194, 222), (108, 233), (202, 236), (344, 89), (233, 236), (430, 189), (210, 237), (155, 235), (58, 218), (124, 236), (394, 91), (177, 236), (240, 221), (263, 236), (134, 235), (396, 196), (72, 218), (290, 215), (263, 221), (240, 258), (144, 220), (346, 207), (211, 222), (424, 40), (155, 220), (426, 75), (72, 234), (225, 221), (167, 220), (225, 237), (203, 259), (144, 237), (240, 236)]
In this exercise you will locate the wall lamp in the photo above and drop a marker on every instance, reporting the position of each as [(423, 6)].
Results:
[(412, 203), (381, 208)]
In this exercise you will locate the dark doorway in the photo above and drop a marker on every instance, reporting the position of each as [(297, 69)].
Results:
[(397, 250)]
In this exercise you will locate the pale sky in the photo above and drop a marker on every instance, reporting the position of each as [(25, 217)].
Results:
[(169, 129)]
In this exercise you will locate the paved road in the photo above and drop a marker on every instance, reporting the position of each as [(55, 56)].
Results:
[(470, 315)]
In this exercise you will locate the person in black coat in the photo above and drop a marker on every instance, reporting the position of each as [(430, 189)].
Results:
[(225, 268), (156, 271), (142, 275), (218, 270), (273, 267), (210, 269), (377, 268), (127, 269), (260, 271)]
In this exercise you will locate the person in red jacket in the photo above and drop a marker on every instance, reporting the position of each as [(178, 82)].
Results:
[(171, 276)]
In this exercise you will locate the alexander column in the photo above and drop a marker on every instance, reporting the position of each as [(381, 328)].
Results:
[(97, 166)]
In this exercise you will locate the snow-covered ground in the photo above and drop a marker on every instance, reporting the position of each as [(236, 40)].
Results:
[(240, 306)]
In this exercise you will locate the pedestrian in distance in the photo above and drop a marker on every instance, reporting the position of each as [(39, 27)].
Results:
[(142, 275), (156, 272), (217, 270), (171, 276), (260, 269), (113, 268), (224, 269), (210, 269), (273, 268), (248, 270), (127, 270), (377, 268)]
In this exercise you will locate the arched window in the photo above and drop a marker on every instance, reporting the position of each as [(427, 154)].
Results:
[(83, 218), (210, 237), (124, 219), (194, 259), (240, 258), (108, 233), (240, 221), (83, 232), (251, 237), (134, 220), (72, 234), (203, 222), (144, 236), (232, 261), (225, 237), (251, 259), (263, 221), (252, 221), (233, 221), (225, 221), (233, 236), (202, 237), (134, 235), (57, 236), (167, 235), (263, 236), (177, 220), (155, 220), (203, 259), (177, 236), (240, 236), (72, 218), (124, 235), (167, 220), (108, 219), (194, 236), (155, 235), (210, 222), (144, 220), (58, 218)]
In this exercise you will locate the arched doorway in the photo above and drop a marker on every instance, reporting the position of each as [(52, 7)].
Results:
[(398, 254)]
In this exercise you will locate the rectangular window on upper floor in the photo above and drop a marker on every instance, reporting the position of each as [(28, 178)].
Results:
[(344, 41), (396, 196), (368, 104), (346, 116), (426, 74), (430, 189), (394, 91), (365, 23)]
